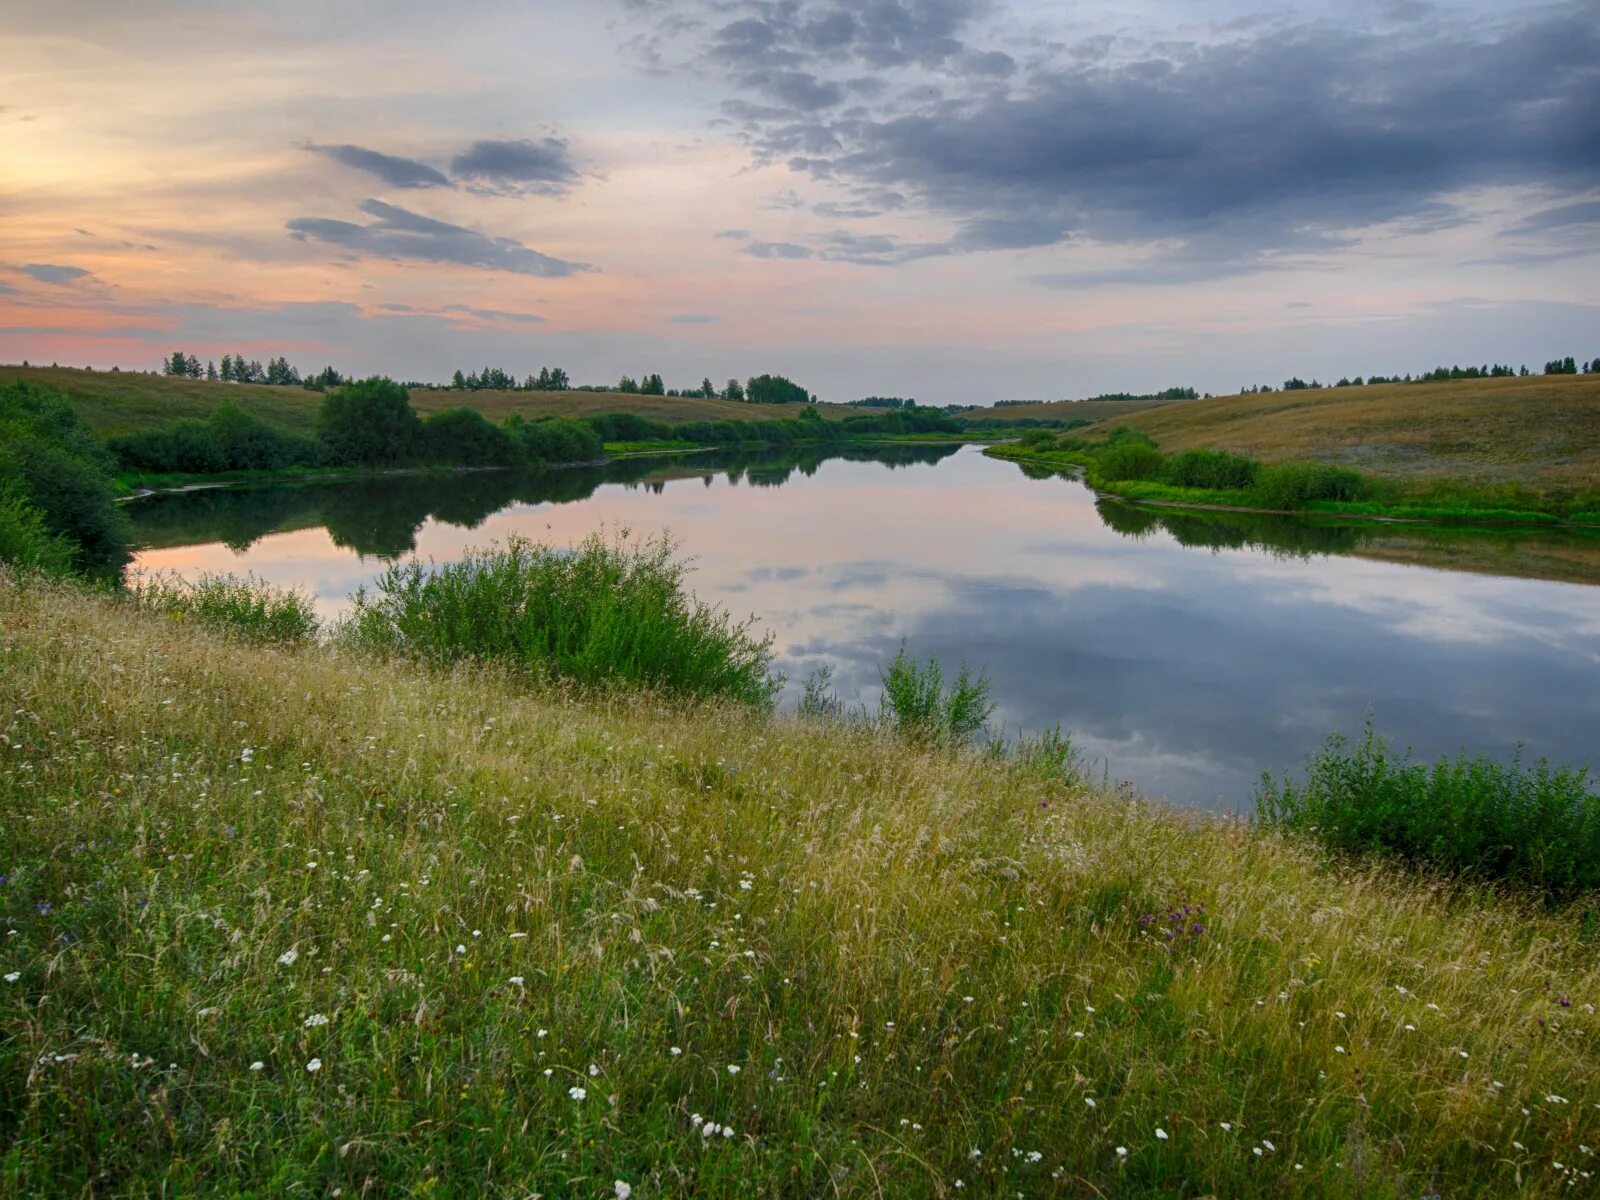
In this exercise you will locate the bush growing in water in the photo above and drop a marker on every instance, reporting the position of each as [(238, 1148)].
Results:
[(242, 605), (609, 613), (916, 703), (1537, 827)]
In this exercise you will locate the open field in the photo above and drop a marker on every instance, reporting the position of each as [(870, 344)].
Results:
[(1542, 431), (1067, 410), (124, 402), (296, 920)]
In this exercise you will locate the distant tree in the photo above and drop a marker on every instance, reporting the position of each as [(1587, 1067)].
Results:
[(707, 389), (176, 364), (369, 422), (653, 386), (211, 371), (560, 381), (628, 386), (775, 389), (192, 367), (734, 390), (227, 367)]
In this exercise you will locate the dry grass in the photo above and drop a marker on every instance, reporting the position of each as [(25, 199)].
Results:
[(1541, 431), (125, 402), (924, 965), (1066, 410)]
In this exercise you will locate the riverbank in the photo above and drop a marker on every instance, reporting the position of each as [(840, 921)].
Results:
[(1469, 506), (336, 922)]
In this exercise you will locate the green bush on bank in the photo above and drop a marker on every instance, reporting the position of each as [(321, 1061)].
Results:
[(609, 613), (55, 488), (230, 439), (1536, 827)]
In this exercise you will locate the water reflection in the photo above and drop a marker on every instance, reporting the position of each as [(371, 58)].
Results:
[(1186, 651)]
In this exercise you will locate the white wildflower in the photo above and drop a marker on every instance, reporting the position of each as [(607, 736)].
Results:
[(288, 957), (316, 1019), (314, 1065), (578, 1093)]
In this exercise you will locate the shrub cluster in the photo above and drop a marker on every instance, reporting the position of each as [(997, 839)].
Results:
[(230, 439), (610, 613), (58, 511), (1537, 827), (244, 606)]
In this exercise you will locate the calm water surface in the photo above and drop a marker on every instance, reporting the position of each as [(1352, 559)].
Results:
[(1183, 653)]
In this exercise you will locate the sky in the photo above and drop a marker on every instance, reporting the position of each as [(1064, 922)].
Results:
[(958, 200)]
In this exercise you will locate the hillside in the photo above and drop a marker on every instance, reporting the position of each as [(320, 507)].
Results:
[(122, 402), (1542, 431), (1067, 410), (343, 924)]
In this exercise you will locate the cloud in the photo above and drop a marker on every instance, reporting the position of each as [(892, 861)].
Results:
[(396, 172), (522, 166), (6, 289), (54, 273), (777, 250), (494, 314), (1563, 217), (398, 233), (692, 319), (1238, 141)]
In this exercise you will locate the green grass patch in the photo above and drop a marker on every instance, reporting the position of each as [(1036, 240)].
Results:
[(611, 613), (1536, 826), (241, 605)]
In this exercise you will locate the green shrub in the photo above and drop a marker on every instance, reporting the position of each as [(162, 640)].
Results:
[(555, 440), (628, 427), (609, 613), (1537, 827), (1129, 434), (1215, 470), (242, 605), (1038, 439), (1294, 485), (916, 703), (54, 466), (26, 544), (369, 423), (1128, 459), (466, 437), (230, 439)]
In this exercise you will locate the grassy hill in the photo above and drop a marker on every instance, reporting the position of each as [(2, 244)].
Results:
[(1066, 410), (292, 920), (1542, 431), (123, 402)]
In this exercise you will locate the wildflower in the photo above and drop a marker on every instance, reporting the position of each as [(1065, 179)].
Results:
[(314, 1065), (1034, 1156), (1340, 1015), (1552, 1098), (1227, 1126), (593, 1070), (316, 1019), (1122, 1152), (1161, 1134), (1089, 1100), (1268, 1145), (975, 1153), (745, 885), (516, 980), (1338, 1049), (461, 949), (288, 957), (622, 1190), (542, 1033), (675, 1051), (258, 1065), (578, 1093), (727, 1131), (733, 1068), (13, 976)]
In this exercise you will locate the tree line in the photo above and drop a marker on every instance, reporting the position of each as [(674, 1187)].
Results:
[(1556, 366)]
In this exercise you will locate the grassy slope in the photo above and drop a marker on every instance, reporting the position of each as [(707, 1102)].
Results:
[(1066, 410), (897, 949), (1543, 431), (124, 402)]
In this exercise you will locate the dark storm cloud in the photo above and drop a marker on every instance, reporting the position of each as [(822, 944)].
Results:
[(522, 165), (396, 172), (400, 234), (54, 272), (1263, 136)]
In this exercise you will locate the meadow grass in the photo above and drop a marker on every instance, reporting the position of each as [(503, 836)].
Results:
[(294, 919), (611, 612), (239, 604), (1535, 826)]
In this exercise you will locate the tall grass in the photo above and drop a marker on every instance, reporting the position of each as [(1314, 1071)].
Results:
[(523, 936), (241, 605), (611, 612), (916, 702), (1536, 827)]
